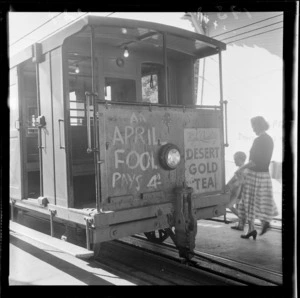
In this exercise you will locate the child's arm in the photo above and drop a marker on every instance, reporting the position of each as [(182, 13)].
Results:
[(231, 180)]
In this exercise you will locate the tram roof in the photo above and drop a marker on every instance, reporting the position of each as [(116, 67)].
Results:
[(181, 40)]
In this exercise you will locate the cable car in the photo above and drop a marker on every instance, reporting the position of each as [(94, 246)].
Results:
[(106, 134)]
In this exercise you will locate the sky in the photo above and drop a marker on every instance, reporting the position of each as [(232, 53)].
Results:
[(252, 68)]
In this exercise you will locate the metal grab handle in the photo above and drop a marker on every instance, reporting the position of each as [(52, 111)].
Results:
[(59, 129), (40, 138), (88, 120), (225, 102), (17, 124)]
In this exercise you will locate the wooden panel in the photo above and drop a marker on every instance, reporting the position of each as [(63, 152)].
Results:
[(131, 228), (210, 212), (201, 201), (47, 132), (132, 139), (15, 156), (59, 127), (122, 216)]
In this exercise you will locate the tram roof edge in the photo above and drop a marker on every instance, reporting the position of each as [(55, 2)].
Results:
[(56, 39)]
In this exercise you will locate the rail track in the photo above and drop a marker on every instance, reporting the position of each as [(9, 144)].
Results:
[(148, 263), (228, 269)]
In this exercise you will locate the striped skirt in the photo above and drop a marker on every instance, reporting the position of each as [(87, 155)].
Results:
[(257, 198)]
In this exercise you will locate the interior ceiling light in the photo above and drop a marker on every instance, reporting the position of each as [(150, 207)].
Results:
[(77, 70), (126, 53), (124, 30)]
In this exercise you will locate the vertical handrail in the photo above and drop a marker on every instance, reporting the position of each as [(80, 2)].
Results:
[(225, 144), (88, 122), (226, 133), (59, 131), (222, 102), (36, 59), (96, 136), (165, 66)]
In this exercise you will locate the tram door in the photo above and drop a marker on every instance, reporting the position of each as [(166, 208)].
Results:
[(82, 161), (15, 156)]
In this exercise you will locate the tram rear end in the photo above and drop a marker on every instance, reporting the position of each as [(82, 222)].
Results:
[(135, 153)]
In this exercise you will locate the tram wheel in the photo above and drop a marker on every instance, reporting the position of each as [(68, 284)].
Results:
[(157, 236)]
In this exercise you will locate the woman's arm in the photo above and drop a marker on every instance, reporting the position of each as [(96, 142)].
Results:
[(248, 165)]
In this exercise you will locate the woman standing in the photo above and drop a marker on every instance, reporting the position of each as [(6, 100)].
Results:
[(257, 194)]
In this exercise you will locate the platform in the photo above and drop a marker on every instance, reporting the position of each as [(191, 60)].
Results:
[(35, 263), (64, 246), (217, 238)]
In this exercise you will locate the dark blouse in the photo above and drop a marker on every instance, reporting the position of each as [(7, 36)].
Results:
[(261, 153)]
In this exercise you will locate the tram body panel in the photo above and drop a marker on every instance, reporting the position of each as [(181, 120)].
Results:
[(133, 137), (15, 169)]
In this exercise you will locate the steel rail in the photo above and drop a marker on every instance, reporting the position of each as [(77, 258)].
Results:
[(176, 272), (233, 266)]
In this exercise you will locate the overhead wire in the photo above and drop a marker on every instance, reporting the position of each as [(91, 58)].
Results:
[(247, 25), (251, 30), (60, 28), (254, 35), (35, 29), (43, 24)]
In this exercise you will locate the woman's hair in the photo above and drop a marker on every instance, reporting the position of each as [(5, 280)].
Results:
[(240, 156), (260, 123)]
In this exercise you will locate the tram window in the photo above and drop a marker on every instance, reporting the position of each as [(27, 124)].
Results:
[(119, 89), (80, 82), (152, 75)]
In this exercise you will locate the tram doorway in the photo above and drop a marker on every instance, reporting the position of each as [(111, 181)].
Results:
[(83, 167), (29, 131)]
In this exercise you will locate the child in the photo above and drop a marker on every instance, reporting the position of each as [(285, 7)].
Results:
[(234, 186)]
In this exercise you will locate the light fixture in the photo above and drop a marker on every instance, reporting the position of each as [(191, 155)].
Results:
[(126, 53), (169, 156), (124, 30), (77, 70)]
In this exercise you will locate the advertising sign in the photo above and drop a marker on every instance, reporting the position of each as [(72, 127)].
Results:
[(203, 159)]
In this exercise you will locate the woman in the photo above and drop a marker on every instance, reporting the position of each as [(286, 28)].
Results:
[(257, 194)]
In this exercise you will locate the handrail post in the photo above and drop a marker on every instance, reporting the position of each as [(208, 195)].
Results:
[(96, 135), (165, 66)]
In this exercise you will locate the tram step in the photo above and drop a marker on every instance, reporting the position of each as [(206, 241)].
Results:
[(76, 251)]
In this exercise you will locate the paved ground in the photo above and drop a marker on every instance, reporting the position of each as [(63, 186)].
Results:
[(34, 263), (219, 239)]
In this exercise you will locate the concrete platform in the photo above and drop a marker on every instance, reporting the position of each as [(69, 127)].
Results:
[(67, 247), (217, 238), (34, 263)]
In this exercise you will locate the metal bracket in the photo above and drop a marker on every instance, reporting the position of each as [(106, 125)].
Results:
[(225, 102), (185, 222), (13, 203), (88, 222), (52, 214)]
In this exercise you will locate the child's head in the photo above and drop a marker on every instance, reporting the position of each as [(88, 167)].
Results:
[(239, 158)]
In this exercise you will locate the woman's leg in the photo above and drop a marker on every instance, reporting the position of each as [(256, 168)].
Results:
[(250, 226)]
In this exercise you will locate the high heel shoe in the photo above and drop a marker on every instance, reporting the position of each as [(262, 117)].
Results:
[(252, 233), (265, 228)]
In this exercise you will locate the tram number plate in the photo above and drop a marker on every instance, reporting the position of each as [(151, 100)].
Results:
[(153, 196)]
